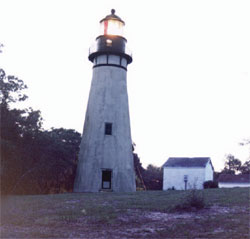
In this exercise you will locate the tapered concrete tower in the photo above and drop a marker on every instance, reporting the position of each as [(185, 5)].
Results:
[(105, 158)]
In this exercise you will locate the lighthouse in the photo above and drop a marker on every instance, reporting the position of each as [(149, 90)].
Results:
[(105, 157)]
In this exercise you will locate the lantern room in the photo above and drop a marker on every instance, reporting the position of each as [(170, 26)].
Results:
[(111, 40), (112, 25)]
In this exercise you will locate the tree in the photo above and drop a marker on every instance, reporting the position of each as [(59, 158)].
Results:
[(53, 164), (11, 89), (147, 179), (245, 168), (232, 165), (153, 177), (139, 170), (246, 142), (15, 122), (1, 45), (33, 160)]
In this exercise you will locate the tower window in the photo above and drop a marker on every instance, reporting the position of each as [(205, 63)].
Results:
[(108, 128)]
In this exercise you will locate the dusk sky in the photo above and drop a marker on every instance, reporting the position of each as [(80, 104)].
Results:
[(188, 84)]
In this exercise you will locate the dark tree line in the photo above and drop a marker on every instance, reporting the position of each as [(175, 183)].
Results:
[(235, 166), (33, 160), (150, 178)]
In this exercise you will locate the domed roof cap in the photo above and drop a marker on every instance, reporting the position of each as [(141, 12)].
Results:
[(112, 16)]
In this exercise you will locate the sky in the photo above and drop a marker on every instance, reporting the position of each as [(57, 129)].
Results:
[(188, 84)]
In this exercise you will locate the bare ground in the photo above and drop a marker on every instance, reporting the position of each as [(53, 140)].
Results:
[(130, 224), (140, 215)]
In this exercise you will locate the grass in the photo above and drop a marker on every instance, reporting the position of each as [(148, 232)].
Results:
[(150, 214)]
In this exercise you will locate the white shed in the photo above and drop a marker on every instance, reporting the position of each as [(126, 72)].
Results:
[(187, 173)]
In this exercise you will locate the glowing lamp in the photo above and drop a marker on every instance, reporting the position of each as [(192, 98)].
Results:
[(111, 40), (112, 25)]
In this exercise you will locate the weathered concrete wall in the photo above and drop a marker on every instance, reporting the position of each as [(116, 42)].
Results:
[(108, 102)]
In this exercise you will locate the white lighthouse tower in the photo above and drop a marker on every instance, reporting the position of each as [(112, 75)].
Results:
[(105, 158)]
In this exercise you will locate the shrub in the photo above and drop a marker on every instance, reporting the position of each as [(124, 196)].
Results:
[(194, 200), (210, 184)]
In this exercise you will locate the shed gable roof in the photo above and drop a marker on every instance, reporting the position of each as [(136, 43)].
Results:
[(231, 178), (187, 162)]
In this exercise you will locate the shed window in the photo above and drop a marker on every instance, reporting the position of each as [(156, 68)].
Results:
[(108, 128)]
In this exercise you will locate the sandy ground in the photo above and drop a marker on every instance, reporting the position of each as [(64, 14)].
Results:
[(131, 224)]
